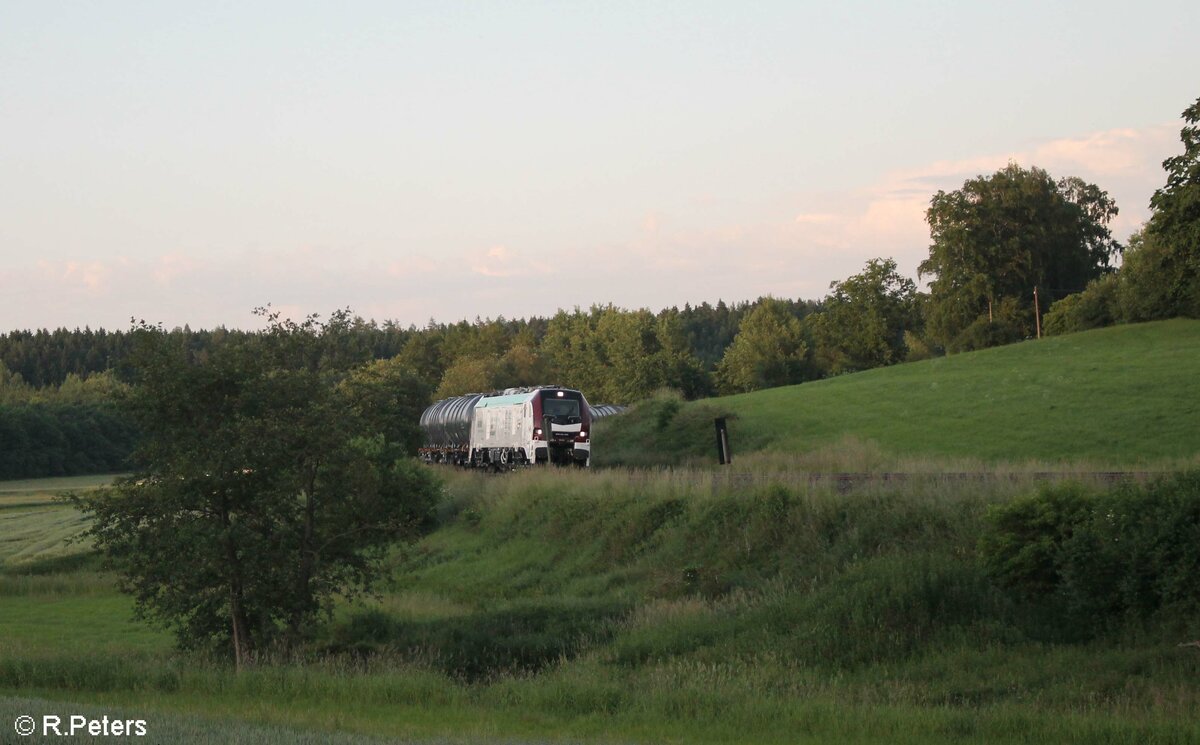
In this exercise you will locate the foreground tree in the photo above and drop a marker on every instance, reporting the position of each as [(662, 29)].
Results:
[(1000, 236), (263, 488)]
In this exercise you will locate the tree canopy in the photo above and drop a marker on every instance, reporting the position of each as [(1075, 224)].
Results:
[(769, 350), (865, 318), (1174, 228), (1000, 236), (266, 484)]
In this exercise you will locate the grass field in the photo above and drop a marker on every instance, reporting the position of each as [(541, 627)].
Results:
[(1120, 397), (33, 526), (634, 607)]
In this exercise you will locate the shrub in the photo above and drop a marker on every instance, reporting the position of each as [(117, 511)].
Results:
[(523, 637), (1009, 325), (1138, 551), (1130, 552), (1095, 307), (1023, 549)]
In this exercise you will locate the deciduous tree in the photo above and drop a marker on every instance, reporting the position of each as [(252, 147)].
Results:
[(1173, 233), (864, 320), (1000, 236), (769, 350), (264, 486)]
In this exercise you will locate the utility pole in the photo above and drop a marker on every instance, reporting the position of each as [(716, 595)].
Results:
[(1037, 313)]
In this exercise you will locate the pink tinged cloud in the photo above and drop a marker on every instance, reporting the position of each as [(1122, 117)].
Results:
[(170, 267), (816, 218), (889, 216), (886, 218), (91, 276), (411, 266), (502, 262)]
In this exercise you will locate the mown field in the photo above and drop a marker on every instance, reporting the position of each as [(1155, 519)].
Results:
[(669, 606), (1120, 397)]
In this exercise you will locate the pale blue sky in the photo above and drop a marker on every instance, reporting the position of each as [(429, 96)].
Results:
[(186, 162)]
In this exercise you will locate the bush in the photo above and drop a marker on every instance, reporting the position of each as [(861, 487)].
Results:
[(983, 334), (1128, 553), (1097, 306), (520, 638), (918, 348), (1023, 549)]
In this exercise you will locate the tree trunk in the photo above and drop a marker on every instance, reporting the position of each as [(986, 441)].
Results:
[(237, 608), (307, 561), (237, 616)]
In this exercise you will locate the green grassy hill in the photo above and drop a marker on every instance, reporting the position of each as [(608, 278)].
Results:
[(1119, 396)]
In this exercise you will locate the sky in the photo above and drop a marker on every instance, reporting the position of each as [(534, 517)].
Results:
[(184, 163)]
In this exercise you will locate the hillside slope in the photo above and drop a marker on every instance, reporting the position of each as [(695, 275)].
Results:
[(1122, 396)]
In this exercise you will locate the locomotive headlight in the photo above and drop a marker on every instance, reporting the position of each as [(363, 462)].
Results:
[(583, 433), (537, 432)]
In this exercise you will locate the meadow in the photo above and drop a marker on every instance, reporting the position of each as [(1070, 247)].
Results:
[(671, 605), (1124, 397)]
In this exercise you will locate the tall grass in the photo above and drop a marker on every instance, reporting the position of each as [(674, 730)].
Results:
[(655, 606)]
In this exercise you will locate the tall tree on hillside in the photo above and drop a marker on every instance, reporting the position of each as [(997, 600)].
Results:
[(1000, 236), (1173, 233), (769, 350), (422, 353), (864, 320)]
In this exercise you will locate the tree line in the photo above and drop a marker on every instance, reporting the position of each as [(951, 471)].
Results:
[(73, 428)]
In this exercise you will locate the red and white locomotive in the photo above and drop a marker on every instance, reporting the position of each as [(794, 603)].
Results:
[(509, 428)]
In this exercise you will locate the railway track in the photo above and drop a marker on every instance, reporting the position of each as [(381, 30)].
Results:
[(844, 481)]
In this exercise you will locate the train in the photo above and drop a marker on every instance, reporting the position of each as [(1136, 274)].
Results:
[(512, 428)]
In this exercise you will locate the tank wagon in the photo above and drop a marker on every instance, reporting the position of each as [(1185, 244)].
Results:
[(510, 428)]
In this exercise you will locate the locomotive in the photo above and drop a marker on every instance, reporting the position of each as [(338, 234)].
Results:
[(511, 428)]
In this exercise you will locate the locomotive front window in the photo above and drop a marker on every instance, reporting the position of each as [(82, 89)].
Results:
[(560, 407)]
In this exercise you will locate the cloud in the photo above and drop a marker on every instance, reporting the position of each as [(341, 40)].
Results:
[(171, 266), (411, 266), (815, 218), (92, 276), (827, 236), (794, 247), (888, 217), (1125, 162), (1117, 152), (502, 262)]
